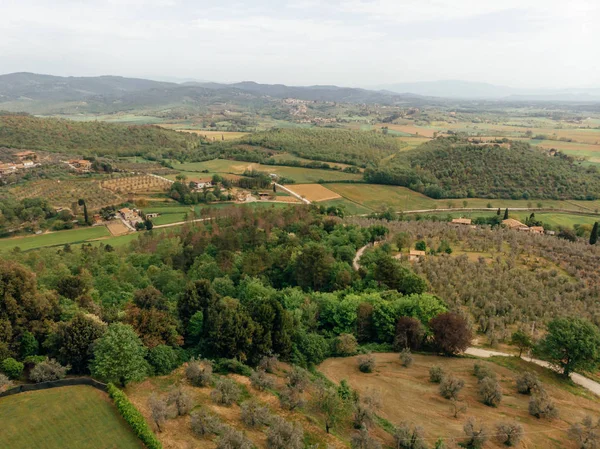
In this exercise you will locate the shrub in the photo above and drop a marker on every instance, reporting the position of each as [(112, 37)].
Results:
[(409, 333), (366, 363), (509, 434), (528, 382), (477, 434), (199, 373), (226, 366), (260, 380), (482, 371), (233, 439), (181, 400), (345, 345), (134, 418), (226, 392), (269, 363), (253, 414), (158, 411), (291, 398), (163, 359), (5, 382), (47, 370), (490, 392), (450, 387), (541, 406), (297, 377), (365, 410), (436, 374), (12, 368), (408, 437), (363, 440), (285, 435), (451, 333), (204, 423), (406, 357), (586, 434)]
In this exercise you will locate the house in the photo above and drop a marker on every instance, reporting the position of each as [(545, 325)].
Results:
[(6, 169), (273, 175), (264, 195), (128, 214), (81, 165), (536, 229), (462, 221), (26, 155), (28, 164), (548, 232), (201, 183), (415, 255), (511, 223), (152, 215), (97, 219)]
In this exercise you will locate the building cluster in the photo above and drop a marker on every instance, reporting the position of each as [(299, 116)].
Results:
[(511, 223), (131, 216), (27, 159), (80, 165)]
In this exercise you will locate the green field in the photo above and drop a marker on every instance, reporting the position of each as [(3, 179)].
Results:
[(68, 417), (349, 207), (54, 238), (299, 174)]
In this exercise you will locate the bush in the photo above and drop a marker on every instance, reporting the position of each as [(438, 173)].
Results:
[(345, 345), (451, 333), (5, 382), (436, 374), (269, 363), (406, 358), (204, 423), (585, 434), (509, 434), (482, 371), (450, 387), (226, 392), (181, 400), (291, 398), (541, 406), (363, 440), (47, 370), (260, 380), (134, 418), (297, 378), (477, 434), (407, 437), (12, 368), (199, 373), (490, 392), (233, 439), (253, 414), (158, 411), (164, 359), (365, 409), (528, 382), (227, 366), (285, 435), (409, 333), (366, 363)]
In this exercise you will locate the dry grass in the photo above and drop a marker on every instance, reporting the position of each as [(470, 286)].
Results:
[(116, 228), (408, 395), (314, 192)]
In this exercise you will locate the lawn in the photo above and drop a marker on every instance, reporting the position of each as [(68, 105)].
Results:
[(407, 394), (54, 239), (299, 174), (68, 417)]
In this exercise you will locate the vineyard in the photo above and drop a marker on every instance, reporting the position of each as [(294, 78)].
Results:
[(143, 183), (65, 193)]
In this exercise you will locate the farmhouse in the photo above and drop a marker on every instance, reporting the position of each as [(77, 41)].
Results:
[(462, 221), (511, 223), (128, 214), (201, 183), (81, 165), (415, 255), (536, 229), (6, 169), (26, 156)]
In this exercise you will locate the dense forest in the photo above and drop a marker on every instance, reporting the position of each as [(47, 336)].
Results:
[(92, 138), (453, 168)]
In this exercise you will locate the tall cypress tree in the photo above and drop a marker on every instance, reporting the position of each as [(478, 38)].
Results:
[(594, 234), (506, 214), (498, 212)]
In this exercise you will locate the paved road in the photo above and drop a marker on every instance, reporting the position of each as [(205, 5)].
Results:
[(583, 381)]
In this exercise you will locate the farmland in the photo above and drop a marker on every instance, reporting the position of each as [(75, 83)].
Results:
[(145, 183), (67, 417), (54, 238), (313, 192), (407, 394)]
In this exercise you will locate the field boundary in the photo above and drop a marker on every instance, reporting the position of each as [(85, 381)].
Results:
[(55, 384), (494, 209)]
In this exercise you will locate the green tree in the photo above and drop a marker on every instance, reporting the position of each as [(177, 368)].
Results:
[(328, 402), (521, 340), (314, 267), (29, 345), (81, 202), (506, 214), (72, 342), (572, 344), (594, 234), (119, 356)]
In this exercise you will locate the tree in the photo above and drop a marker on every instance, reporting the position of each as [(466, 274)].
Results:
[(198, 296), (409, 333), (521, 340), (284, 435), (203, 422), (436, 374), (199, 373), (253, 414), (314, 267), (119, 356), (451, 386), (572, 344), (81, 202), (408, 437), (163, 359), (420, 245), (226, 392), (366, 363), (528, 382), (260, 380), (498, 212), (594, 234), (148, 224), (181, 400), (362, 440), (506, 214), (47, 370), (74, 339), (490, 392), (586, 434), (5, 383), (509, 434), (406, 358), (346, 345), (233, 439), (451, 333), (158, 411), (328, 402), (365, 410), (541, 406), (12, 368)]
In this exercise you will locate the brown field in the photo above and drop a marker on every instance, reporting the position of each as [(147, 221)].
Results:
[(411, 129), (314, 192), (116, 227), (210, 135), (287, 199), (408, 395), (144, 183)]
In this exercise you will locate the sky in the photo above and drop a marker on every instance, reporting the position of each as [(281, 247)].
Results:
[(517, 43)]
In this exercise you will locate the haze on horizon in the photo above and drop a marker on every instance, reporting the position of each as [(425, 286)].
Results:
[(517, 43)]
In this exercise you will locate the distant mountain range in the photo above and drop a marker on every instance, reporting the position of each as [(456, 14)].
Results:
[(474, 90)]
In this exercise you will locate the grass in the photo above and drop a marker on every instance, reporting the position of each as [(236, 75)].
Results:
[(54, 239), (68, 417), (350, 207)]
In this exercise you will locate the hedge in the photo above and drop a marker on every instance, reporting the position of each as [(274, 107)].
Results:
[(134, 418)]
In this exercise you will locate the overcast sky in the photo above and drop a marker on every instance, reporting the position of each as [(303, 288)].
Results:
[(519, 43)]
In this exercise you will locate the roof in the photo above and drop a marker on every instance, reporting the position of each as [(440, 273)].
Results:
[(24, 153), (465, 221), (416, 252), (537, 228), (125, 210), (512, 223)]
